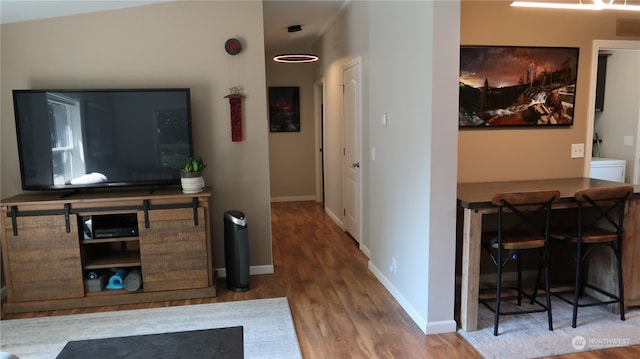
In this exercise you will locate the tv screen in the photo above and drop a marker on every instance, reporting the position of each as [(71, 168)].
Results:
[(102, 138)]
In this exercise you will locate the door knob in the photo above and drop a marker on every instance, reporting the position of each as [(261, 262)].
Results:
[(355, 165)]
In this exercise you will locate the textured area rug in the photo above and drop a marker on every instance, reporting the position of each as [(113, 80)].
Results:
[(268, 327), (223, 343), (528, 335)]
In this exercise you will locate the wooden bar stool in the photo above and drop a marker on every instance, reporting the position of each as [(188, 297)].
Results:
[(532, 211), (600, 219)]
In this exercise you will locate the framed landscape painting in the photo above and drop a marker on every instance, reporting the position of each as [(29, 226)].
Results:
[(284, 109), (517, 86)]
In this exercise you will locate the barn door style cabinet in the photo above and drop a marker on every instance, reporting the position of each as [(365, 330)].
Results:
[(53, 245)]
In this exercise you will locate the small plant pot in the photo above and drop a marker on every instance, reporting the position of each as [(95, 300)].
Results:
[(192, 182)]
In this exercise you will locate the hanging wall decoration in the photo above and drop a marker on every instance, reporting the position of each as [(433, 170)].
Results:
[(284, 109), (234, 47), (235, 103)]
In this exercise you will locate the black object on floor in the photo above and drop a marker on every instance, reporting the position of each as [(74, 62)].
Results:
[(236, 251), (224, 343)]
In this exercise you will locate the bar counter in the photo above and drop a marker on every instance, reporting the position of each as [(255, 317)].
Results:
[(475, 201)]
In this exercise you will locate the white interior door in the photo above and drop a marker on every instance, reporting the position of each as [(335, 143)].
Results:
[(351, 162), (614, 144)]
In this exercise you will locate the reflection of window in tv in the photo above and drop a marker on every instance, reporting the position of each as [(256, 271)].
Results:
[(170, 124), (66, 146)]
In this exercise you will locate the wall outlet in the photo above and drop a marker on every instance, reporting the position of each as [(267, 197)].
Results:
[(577, 150), (393, 268)]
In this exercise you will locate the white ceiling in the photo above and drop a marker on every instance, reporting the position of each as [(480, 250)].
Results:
[(313, 15), (24, 10)]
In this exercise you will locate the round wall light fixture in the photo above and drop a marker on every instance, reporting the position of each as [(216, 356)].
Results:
[(295, 58), (233, 46)]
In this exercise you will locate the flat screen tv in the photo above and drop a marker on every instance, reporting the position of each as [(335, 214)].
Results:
[(76, 139), (517, 86)]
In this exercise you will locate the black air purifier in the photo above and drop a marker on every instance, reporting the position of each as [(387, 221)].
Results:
[(236, 251)]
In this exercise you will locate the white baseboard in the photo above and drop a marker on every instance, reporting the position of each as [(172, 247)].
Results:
[(449, 327), (253, 270), (257, 270), (334, 218), (443, 326), (365, 250), (294, 198), (446, 326)]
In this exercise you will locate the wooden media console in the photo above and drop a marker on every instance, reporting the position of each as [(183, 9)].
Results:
[(49, 247)]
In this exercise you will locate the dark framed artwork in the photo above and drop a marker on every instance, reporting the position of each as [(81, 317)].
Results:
[(517, 86), (284, 109)]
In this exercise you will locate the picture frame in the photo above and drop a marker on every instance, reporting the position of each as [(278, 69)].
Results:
[(284, 109), (516, 86)]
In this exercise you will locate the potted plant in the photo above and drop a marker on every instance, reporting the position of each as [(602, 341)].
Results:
[(191, 175)]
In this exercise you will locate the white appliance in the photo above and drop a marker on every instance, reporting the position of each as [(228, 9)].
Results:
[(608, 169)]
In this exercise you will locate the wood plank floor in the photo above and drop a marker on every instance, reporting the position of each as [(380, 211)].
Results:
[(339, 308)]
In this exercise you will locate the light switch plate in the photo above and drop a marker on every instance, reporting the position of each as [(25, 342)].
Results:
[(386, 119)]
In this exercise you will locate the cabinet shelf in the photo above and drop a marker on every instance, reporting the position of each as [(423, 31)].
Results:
[(111, 292), (109, 240), (114, 260)]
